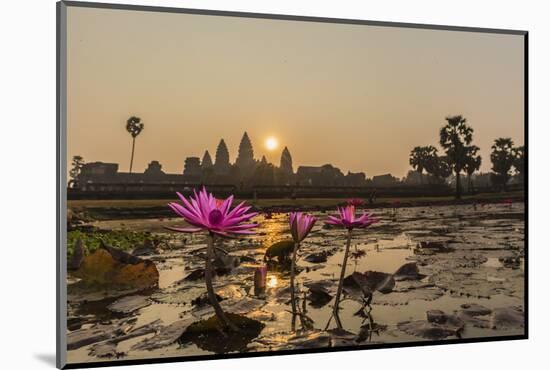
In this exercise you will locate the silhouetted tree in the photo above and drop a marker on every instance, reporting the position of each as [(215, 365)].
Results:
[(443, 169), (438, 166), (77, 164), (134, 126), (455, 137), (502, 157), (419, 158), (519, 161), (473, 163), (222, 166)]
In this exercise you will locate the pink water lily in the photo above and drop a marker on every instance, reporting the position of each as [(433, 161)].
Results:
[(205, 212), (300, 225), (346, 218), (356, 202)]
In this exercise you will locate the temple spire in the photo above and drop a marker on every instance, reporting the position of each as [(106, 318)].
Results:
[(206, 160), (245, 158), (222, 165), (286, 162)]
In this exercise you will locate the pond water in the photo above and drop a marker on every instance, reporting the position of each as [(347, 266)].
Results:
[(466, 257)]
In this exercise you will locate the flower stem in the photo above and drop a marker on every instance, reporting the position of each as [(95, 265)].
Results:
[(292, 292), (341, 283), (226, 323)]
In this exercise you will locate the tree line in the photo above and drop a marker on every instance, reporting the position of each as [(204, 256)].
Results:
[(461, 157)]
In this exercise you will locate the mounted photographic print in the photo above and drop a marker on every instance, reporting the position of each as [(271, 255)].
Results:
[(237, 184)]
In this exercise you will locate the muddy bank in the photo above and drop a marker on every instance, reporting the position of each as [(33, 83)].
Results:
[(118, 210)]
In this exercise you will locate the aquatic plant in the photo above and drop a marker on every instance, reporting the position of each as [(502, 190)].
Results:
[(206, 213), (356, 202), (300, 226), (346, 218), (260, 277)]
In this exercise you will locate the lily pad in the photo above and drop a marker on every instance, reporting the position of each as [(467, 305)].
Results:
[(319, 293), (428, 330), (408, 271), (432, 247), (166, 336), (507, 318), (369, 282), (205, 334), (280, 250), (129, 304), (319, 257)]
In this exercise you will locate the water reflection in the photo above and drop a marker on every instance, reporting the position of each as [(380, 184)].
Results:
[(272, 281), (384, 248)]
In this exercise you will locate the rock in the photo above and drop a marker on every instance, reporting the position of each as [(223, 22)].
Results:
[(79, 252), (129, 304), (166, 336), (408, 271), (116, 269)]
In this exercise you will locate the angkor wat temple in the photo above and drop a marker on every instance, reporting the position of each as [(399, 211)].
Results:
[(245, 173)]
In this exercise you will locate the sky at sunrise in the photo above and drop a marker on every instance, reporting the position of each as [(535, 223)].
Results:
[(358, 97)]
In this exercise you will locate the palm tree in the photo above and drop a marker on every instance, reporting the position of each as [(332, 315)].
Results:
[(77, 164), (419, 157), (519, 161), (455, 137), (502, 157), (473, 163), (438, 167), (134, 126)]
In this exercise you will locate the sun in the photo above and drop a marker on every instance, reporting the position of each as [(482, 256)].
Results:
[(271, 143)]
